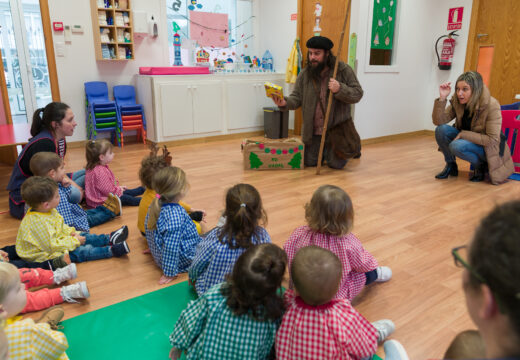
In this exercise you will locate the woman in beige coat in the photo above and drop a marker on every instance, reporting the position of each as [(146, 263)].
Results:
[(476, 134)]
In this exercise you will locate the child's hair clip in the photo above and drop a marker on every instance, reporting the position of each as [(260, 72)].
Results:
[(158, 196)]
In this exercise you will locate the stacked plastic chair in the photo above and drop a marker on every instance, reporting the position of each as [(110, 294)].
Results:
[(131, 114), (101, 112)]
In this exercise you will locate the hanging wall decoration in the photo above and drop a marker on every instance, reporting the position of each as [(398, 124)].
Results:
[(194, 5), (209, 29), (383, 24), (317, 13)]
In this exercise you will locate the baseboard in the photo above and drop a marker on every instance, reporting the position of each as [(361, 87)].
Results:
[(382, 139), (207, 139)]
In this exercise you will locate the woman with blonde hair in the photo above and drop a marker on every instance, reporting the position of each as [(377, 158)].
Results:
[(476, 134), (170, 232)]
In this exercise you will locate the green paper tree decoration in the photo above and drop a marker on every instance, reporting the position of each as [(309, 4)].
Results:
[(254, 160), (296, 160)]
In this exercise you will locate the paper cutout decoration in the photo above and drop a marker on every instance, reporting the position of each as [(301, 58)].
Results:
[(383, 26), (194, 5), (254, 161), (296, 161), (202, 56), (209, 29), (317, 13)]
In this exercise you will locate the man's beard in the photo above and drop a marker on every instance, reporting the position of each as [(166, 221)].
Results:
[(316, 69)]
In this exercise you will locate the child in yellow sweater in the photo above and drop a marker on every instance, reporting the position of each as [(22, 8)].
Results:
[(149, 166), (43, 235)]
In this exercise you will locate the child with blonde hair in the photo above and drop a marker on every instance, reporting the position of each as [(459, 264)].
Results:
[(330, 217), (43, 235), (220, 248), (317, 326), (236, 319), (26, 339), (171, 235), (100, 181), (149, 166), (51, 165)]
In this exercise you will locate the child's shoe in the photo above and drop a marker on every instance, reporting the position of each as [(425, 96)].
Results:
[(52, 316), (66, 273), (384, 273), (120, 249), (394, 350), (113, 203), (61, 261), (384, 329), (75, 291), (119, 235)]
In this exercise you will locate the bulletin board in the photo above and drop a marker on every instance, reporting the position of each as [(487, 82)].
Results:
[(209, 29)]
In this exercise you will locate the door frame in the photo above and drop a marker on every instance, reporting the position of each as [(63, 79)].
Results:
[(472, 35), (51, 63)]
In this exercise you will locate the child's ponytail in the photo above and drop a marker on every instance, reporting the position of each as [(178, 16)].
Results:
[(170, 184), (243, 213)]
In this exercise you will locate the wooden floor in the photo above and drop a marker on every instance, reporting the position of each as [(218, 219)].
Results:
[(405, 217)]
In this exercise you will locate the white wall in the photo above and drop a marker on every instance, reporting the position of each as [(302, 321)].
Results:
[(79, 64), (402, 102), (393, 102)]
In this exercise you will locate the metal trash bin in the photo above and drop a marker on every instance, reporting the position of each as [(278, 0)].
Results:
[(276, 123)]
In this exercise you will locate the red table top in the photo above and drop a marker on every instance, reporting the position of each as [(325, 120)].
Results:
[(15, 134)]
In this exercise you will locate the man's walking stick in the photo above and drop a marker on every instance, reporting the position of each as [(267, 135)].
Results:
[(329, 103)]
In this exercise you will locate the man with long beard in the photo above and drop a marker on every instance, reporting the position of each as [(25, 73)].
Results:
[(311, 92)]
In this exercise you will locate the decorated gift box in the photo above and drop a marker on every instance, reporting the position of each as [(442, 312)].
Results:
[(273, 154)]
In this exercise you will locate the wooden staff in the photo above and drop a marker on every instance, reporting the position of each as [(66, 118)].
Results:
[(329, 103)]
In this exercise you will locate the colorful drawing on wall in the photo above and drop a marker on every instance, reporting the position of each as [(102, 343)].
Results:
[(209, 29), (177, 49), (383, 24), (317, 13), (352, 49), (194, 5), (176, 5)]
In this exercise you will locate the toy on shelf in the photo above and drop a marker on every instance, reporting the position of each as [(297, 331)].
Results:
[(177, 50), (202, 56)]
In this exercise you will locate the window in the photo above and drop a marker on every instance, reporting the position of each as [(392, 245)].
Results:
[(382, 34), (240, 26)]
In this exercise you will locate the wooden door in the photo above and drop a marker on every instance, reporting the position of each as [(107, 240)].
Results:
[(331, 23), (495, 36)]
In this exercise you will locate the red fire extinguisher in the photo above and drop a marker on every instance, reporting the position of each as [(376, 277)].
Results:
[(448, 48)]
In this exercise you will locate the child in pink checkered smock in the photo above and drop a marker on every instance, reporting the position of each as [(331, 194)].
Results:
[(330, 217), (317, 326)]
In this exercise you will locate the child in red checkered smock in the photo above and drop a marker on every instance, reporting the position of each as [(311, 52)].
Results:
[(317, 326), (100, 181), (330, 217)]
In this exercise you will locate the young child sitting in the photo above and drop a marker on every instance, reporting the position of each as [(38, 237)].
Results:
[(45, 298), (8, 254), (26, 339), (149, 166), (220, 248), (51, 165), (100, 181), (238, 318), (330, 217), (171, 235), (317, 326), (43, 235)]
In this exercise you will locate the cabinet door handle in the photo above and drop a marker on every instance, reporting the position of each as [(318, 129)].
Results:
[(194, 87)]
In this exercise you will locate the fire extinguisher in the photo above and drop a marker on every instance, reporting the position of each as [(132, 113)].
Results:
[(448, 48)]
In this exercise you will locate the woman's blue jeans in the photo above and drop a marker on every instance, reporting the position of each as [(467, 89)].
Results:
[(95, 248), (463, 149)]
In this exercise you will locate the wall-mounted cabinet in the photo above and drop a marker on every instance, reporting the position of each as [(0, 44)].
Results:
[(112, 25)]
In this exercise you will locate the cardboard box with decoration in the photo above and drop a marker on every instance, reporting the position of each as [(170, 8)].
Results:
[(273, 154)]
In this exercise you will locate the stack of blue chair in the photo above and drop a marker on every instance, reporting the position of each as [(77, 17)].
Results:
[(102, 114), (513, 106), (130, 114)]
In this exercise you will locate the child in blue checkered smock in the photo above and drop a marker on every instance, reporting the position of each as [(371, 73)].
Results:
[(170, 233), (220, 248), (237, 319), (51, 165)]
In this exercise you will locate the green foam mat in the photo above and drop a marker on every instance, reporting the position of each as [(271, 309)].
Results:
[(138, 328)]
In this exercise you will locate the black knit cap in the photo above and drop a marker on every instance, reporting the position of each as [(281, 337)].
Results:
[(320, 42)]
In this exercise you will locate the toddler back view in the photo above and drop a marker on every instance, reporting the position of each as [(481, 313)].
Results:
[(317, 326), (217, 252), (330, 217)]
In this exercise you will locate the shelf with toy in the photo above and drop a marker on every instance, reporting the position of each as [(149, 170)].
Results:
[(114, 38)]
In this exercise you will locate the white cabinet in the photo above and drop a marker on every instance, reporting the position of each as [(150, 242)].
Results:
[(187, 108), (245, 102)]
